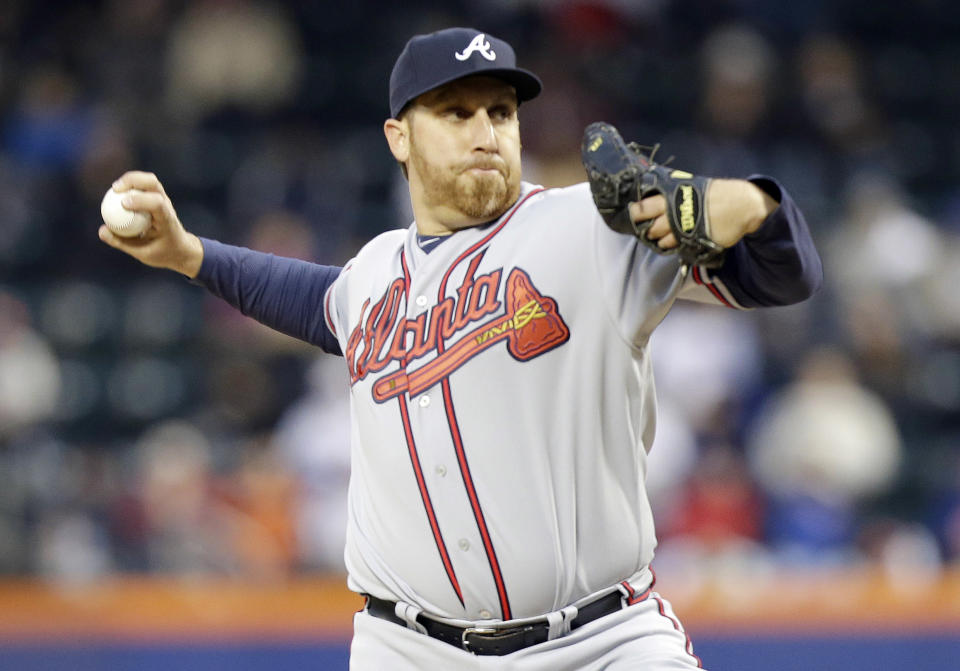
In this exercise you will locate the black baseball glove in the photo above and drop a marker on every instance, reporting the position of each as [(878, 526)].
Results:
[(621, 173)]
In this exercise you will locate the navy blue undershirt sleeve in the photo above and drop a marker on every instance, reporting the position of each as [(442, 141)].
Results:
[(285, 294), (778, 264)]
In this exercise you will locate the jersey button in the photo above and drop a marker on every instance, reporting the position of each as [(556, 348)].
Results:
[(441, 470), (421, 300), (464, 544), (424, 401)]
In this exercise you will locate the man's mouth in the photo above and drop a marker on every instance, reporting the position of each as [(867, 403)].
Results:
[(484, 169)]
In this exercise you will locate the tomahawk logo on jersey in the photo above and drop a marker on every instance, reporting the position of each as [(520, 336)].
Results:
[(528, 321)]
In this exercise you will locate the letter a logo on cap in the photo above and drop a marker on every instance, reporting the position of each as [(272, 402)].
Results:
[(478, 44)]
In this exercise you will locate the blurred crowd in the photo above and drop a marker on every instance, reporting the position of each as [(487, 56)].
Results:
[(146, 427)]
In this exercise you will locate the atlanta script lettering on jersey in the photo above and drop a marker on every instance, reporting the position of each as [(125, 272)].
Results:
[(531, 325)]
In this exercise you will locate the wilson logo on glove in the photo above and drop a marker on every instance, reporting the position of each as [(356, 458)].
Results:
[(621, 173), (687, 207)]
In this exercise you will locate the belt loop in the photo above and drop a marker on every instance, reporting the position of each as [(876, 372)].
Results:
[(408, 613), (559, 622), (626, 593)]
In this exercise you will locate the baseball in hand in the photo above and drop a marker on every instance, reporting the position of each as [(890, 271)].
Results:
[(121, 221)]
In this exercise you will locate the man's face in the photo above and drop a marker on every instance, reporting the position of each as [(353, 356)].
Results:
[(465, 149)]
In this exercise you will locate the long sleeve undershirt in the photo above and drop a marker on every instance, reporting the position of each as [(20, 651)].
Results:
[(777, 265)]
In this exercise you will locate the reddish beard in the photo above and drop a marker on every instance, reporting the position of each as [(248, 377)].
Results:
[(480, 196)]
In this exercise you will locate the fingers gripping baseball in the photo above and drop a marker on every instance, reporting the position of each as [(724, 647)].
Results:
[(165, 243)]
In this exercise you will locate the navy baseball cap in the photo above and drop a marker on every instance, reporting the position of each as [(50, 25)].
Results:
[(429, 61)]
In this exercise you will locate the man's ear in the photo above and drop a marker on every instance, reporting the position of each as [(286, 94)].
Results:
[(398, 138)]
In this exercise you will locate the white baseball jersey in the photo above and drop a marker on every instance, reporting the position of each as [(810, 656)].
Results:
[(502, 408)]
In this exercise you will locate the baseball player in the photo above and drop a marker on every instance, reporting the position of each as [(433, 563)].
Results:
[(501, 389)]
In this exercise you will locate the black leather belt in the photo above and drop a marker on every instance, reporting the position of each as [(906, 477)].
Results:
[(482, 640)]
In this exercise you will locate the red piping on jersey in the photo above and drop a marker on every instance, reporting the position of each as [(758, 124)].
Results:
[(676, 625), (406, 274), (425, 496), (475, 501), (699, 279), (455, 428), (418, 470), (326, 309), (326, 303), (406, 296), (633, 598)]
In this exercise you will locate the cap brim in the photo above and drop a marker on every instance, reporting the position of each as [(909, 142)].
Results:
[(526, 84)]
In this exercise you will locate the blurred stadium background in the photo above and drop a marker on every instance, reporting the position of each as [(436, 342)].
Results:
[(172, 476)]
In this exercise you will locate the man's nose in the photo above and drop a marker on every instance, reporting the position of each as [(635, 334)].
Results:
[(483, 135)]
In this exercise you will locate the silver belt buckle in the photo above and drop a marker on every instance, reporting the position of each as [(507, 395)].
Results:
[(465, 644)]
